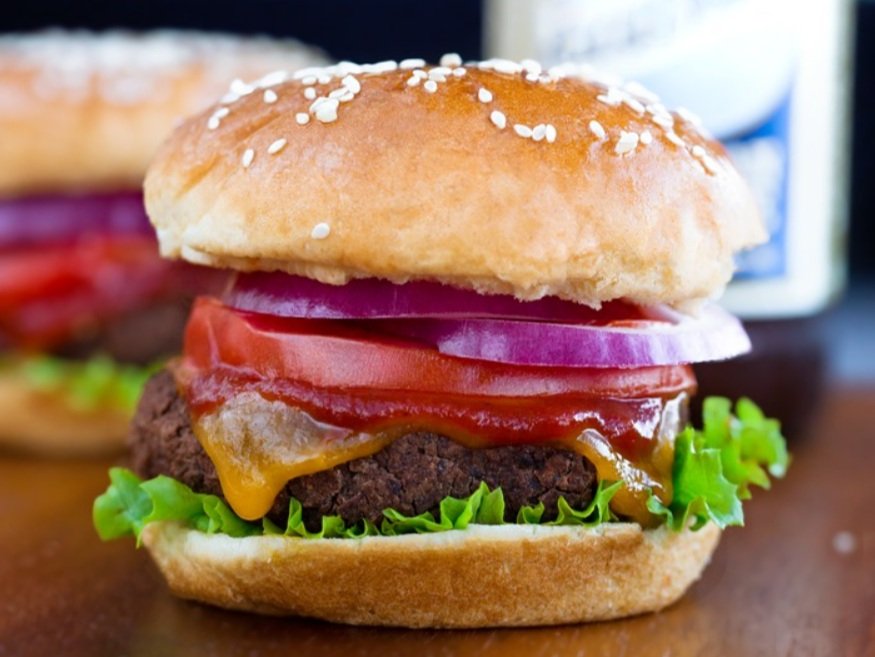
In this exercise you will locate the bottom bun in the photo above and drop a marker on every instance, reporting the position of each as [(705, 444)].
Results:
[(484, 576), (44, 422)]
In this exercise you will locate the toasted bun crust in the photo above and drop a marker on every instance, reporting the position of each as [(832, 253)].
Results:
[(414, 180), (44, 423), (85, 110), (512, 575)]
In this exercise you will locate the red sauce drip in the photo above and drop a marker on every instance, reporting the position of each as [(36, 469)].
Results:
[(478, 420)]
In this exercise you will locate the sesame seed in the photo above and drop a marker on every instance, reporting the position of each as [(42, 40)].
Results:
[(522, 130), (532, 77), (216, 118), (596, 128), (613, 98), (380, 67), (248, 156), (341, 94), (710, 164), (484, 95), (633, 104), (419, 73), (627, 142), (241, 88), (270, 96), (309, 81), (674, 139), (276, 146), (646, 137), (412, 81), (451, 59), (302, 118), (641, 91), (531, 67), (687, 115), (273, 78), (551, 133), (320, 231), (351, 83), (436, 75), (459, 72), (663, 120), (345, 67), (499, 120), (324, 79), (500, 65), (307, 71), (698, 151), (430, 86), (309, 93), (539, 132), (326, 111), (407, 64), (441, 70)]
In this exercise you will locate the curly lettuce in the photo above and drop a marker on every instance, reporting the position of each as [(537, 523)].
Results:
[(713, 471), (129, 504), (715, 467), (87, 385)]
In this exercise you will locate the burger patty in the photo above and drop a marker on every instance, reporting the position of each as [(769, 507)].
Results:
[(138, 337), (412, 475)]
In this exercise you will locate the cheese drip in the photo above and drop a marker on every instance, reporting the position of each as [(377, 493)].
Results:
[(258, 445)]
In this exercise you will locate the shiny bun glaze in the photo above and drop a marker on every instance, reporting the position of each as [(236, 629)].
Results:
[(494, 176), (83, 110)]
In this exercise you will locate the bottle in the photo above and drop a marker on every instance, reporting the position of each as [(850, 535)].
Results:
[(770, 79)]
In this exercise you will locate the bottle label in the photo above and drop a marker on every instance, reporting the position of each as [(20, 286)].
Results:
[(768, 78), (763, 158)]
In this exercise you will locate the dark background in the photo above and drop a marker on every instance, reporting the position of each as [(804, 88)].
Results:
[(391, 29)]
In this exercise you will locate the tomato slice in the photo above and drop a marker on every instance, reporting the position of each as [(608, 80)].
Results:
[(49, 293), (332, 354)]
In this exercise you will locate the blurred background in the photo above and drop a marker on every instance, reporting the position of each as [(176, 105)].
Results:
[(787, 88)]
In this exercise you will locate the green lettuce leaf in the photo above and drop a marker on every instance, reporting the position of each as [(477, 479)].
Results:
[(87, 385), (715, 467), (130, 503)]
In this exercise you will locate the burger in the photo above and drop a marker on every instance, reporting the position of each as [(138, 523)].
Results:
[(86, 305), (448, 385)]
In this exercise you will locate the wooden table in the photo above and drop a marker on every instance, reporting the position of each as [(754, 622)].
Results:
[(798, 580)]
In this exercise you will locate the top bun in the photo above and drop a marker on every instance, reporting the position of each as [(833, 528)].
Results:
[(493, 176), (80, 110)]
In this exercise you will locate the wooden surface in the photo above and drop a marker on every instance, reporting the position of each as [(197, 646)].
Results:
[(798, 580)]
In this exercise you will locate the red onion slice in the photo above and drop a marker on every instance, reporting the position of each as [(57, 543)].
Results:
[(501, 328), (39, 220), (713, 335), (283, 295)]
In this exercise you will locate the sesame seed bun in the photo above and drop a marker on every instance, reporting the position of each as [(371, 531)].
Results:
[(88, 110), (484, 576), (44, 422), (494, 177)]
